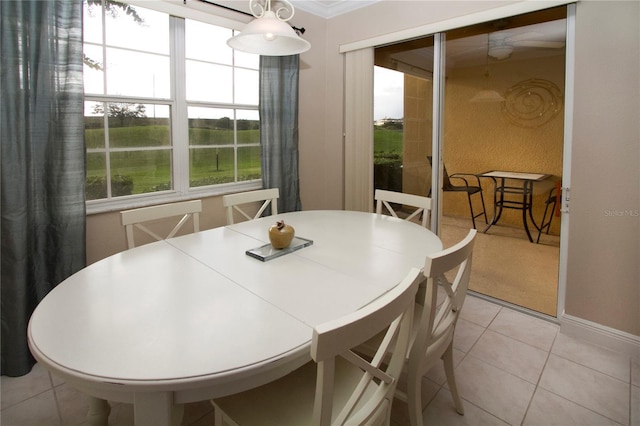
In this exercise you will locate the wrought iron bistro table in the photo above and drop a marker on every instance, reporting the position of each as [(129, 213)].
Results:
[(514, 190), (194, 317)]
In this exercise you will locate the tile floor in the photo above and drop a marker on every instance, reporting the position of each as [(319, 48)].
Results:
[(512, 369)]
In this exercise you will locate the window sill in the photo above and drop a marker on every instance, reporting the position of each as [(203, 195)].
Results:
[(144, 200)]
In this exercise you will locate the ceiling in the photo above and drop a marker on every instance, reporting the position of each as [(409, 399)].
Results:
[(525, 37), (330, 8)]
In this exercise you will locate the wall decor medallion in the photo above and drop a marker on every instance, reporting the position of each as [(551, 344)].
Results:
[(532, 103)]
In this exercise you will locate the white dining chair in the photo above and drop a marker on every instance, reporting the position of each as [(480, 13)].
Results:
[(338, 386), (135, 218), (434, 323), (421, 204), (435, 327), (233, 203)]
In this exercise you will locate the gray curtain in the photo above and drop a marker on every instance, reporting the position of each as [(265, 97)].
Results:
[(279, 128), (42, 159)]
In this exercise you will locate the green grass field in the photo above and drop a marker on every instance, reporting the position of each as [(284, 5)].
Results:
[(148, 165), (387, 141)]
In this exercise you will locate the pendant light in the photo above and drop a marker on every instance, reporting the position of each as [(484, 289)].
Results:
[(269, 34), (487, 95)]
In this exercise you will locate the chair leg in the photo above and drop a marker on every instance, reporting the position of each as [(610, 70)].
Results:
[(414, 399), (447, 358), (473, 216), (484, 210), (551, 203)]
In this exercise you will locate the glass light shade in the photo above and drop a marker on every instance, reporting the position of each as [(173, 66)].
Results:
[(487, 96), (269, 36), (500, 52)]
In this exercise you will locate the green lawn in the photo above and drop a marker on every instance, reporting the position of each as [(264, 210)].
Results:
[(149, 170), (387, 141)]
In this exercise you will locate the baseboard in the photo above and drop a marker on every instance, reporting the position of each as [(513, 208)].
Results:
[(600, 335)]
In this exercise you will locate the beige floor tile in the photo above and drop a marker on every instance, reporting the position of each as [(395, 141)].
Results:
[(400, 410), (494, 390), (596, 357), (72, 403), (437, 374), (479, 311), (589, 388), (548, 409), (193, 412), (510, 355), (635, 406), (441, 412), (525, 328), (206, 420), (37, 411), (121, 414), (635, 370), (18, 389), (466, 335)]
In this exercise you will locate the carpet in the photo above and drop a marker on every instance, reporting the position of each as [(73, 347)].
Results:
[(508, 267)]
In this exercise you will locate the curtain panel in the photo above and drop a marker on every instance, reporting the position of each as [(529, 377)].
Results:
[(42, 159), (279, 81)]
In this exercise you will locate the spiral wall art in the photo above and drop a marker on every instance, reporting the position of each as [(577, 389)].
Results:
[(532, 103)]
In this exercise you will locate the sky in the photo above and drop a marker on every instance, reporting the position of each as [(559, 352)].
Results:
[(388, 93)]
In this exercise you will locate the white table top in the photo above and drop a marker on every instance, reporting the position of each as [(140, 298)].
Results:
[(515, 175), (197, 312)]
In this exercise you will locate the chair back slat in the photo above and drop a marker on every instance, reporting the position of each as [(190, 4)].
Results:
[(135, 218), (421, 205), (238, 203), (373, 394)]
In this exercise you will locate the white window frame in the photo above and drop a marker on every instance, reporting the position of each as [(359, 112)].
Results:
[(179, 120)]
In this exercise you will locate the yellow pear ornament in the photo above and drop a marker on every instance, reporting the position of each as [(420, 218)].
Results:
[(281, 235)]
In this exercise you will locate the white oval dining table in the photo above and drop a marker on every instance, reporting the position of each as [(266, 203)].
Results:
[(194, 317)]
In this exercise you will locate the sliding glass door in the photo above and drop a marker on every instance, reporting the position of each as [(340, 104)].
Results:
[(498, 90)]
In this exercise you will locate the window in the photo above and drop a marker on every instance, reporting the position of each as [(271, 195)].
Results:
[(170, 110)]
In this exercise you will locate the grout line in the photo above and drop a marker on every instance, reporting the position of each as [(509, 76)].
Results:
[(537, 384)]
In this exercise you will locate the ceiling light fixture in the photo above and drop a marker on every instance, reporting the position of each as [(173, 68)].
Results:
[(270, 34), (486, 94)]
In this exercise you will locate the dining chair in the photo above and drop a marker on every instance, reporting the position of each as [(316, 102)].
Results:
[(421, 204), (469, 184), (135, 218), (338, 386), (551, 209), (434, 323), (233, 202)]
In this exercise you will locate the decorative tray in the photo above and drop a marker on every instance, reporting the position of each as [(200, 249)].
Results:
[(267, 252)]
